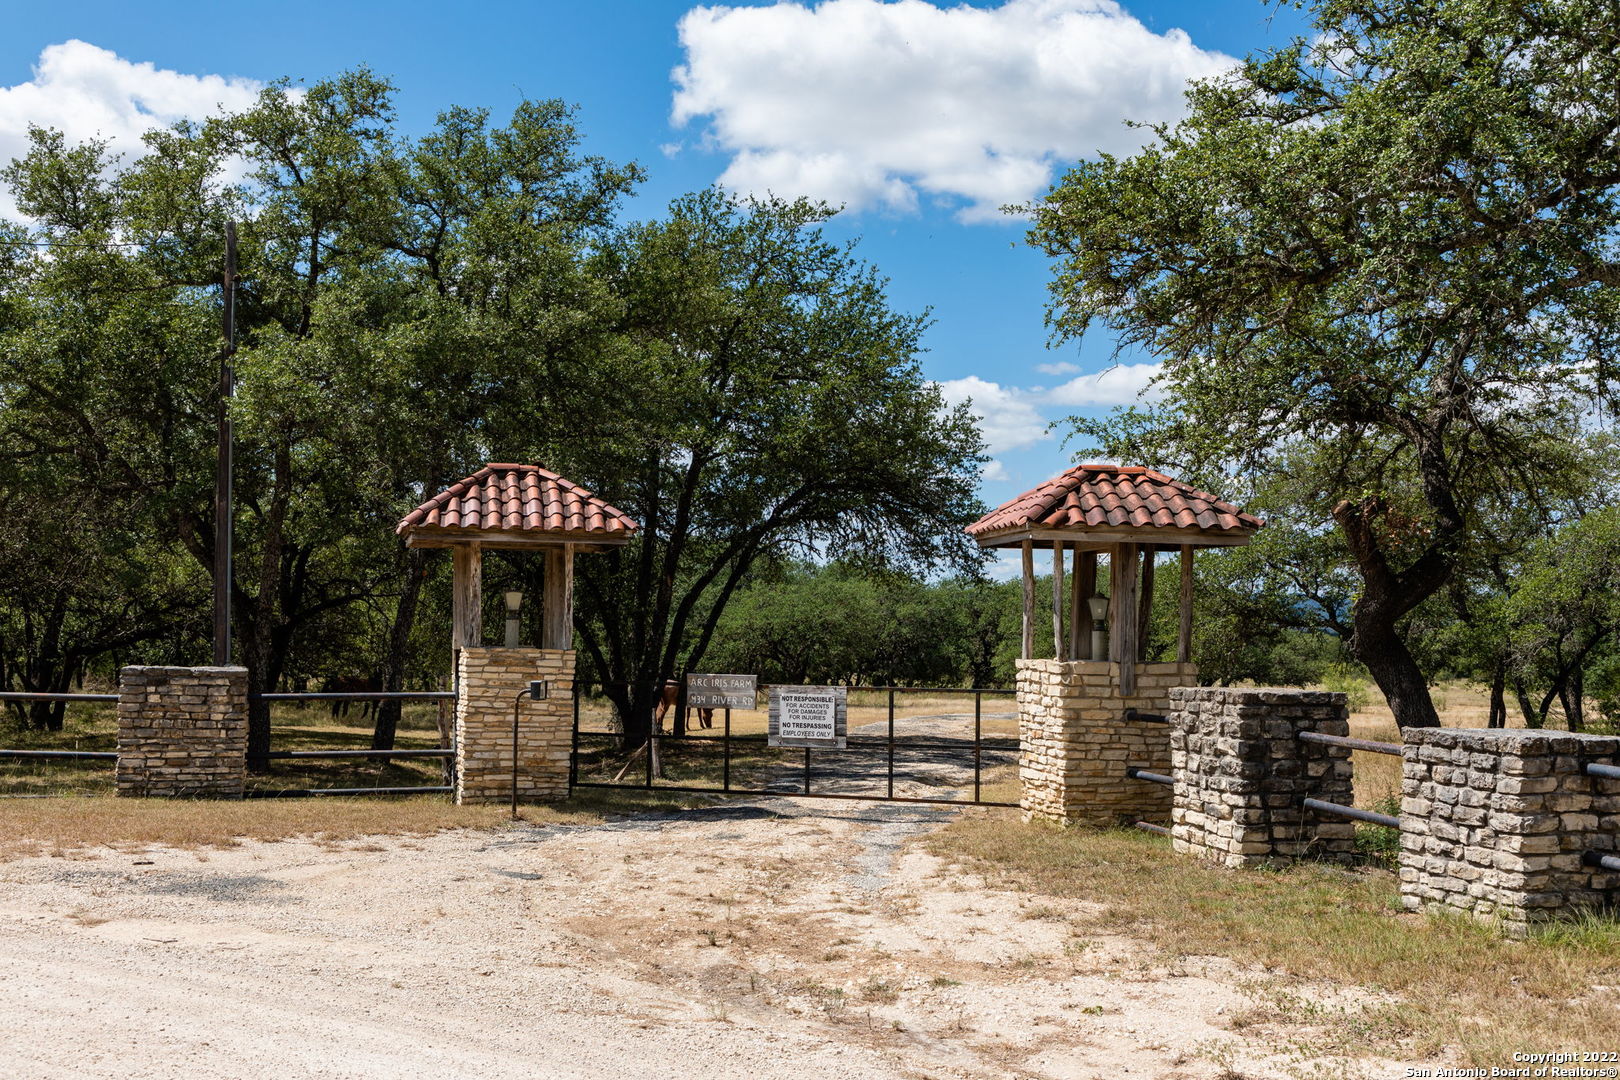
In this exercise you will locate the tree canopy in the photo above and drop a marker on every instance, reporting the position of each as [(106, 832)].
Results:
[(1382, 262), (409, 309)]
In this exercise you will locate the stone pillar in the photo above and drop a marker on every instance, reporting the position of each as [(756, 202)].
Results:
[(1241, 773), (1075, 743), (1494, 822), (488, 684), (182, 731)]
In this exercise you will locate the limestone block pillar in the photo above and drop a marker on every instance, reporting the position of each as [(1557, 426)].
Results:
[(1241, 774), (1494, 823), (182, 731), (1075, 742), (488, 684)]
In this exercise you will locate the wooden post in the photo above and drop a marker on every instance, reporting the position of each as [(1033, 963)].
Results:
[(1184, 632), (1122, 616), (1058, 652), (1144, 612), (558, 613), (466, 602), (1029, 601), (1080, 621)]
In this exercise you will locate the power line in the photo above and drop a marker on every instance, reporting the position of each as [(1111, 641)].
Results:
[(63, 244)]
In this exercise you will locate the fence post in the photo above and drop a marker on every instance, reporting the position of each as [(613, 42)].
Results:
[(1075, 740), (1241, 773), (1495, 823), (487, 682), (182, 731)]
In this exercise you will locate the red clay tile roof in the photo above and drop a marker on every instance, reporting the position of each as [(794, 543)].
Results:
[(1103, 497), (517, 498)]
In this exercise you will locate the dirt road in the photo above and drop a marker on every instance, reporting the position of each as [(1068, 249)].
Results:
[(773, 939)]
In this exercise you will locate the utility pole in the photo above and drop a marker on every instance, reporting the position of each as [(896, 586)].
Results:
[(222, 463)]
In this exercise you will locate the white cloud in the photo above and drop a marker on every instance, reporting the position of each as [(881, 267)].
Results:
[(1007, 417), (1061, 368), (88, 92), (1122, 384), (995, 473), (871, 103), (1005, 566)]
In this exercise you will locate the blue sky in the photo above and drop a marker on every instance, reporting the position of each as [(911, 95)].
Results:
[(921, 118)]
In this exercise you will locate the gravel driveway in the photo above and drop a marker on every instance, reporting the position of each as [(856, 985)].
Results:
[(771, 939)]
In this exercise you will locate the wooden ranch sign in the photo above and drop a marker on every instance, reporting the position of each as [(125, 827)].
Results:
[(809, 716), (720, 691)]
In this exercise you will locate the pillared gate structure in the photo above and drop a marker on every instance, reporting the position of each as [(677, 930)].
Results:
[(1077, 710)]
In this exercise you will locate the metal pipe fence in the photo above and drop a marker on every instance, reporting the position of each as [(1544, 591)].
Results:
[(442, 753), (27, 695), (1369, 745), (58, 755), (891, 745)]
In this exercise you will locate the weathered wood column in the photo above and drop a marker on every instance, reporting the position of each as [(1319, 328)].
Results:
[(558, 611), (1057, 600), (1144, 610), (1184, 630), (466, 599), (1080, 621), (1028, 644), (1122, 612)]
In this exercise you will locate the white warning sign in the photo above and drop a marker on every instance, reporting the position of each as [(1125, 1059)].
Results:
[(808, 716)]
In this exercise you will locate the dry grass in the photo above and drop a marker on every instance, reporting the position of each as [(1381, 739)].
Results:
[(1449, 987), (66, 825)]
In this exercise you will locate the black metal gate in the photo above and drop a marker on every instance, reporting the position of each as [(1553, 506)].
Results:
[(896, 751)]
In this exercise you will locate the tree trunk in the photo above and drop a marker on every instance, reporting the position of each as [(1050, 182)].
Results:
[(1527, 708), (1498, 718), (1570, 695), (1397, 674), (1386, 597), (399, 637)]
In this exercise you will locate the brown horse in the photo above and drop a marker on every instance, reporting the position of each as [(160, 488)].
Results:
[(353, 684), (668, 697)]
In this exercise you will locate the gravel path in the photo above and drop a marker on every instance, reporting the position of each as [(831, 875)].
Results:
[(778, 938)]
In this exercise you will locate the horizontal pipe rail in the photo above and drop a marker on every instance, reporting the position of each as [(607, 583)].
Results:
[(1148, 826), (1151, 777), (91, 755), (1323, 807), (22, 695), (698, 735), (1355, 744), (303, 793), (1138, 716), (283, 754), (988, 691), (380, 695), (790, 793), (1603, 772), (1602, 861)]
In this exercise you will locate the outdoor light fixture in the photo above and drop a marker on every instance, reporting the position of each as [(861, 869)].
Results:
[(514, 603), (537, 690), (1099, 636)]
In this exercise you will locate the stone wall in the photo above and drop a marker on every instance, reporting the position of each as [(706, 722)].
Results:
[(182, 731), (1075, 743), (1241, 773), (1494, 822), (488, 684)]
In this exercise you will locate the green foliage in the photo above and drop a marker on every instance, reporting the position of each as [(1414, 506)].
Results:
[(1381, 263), (838, 624), (1349, 680), (409, 309), (1381, 844)]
